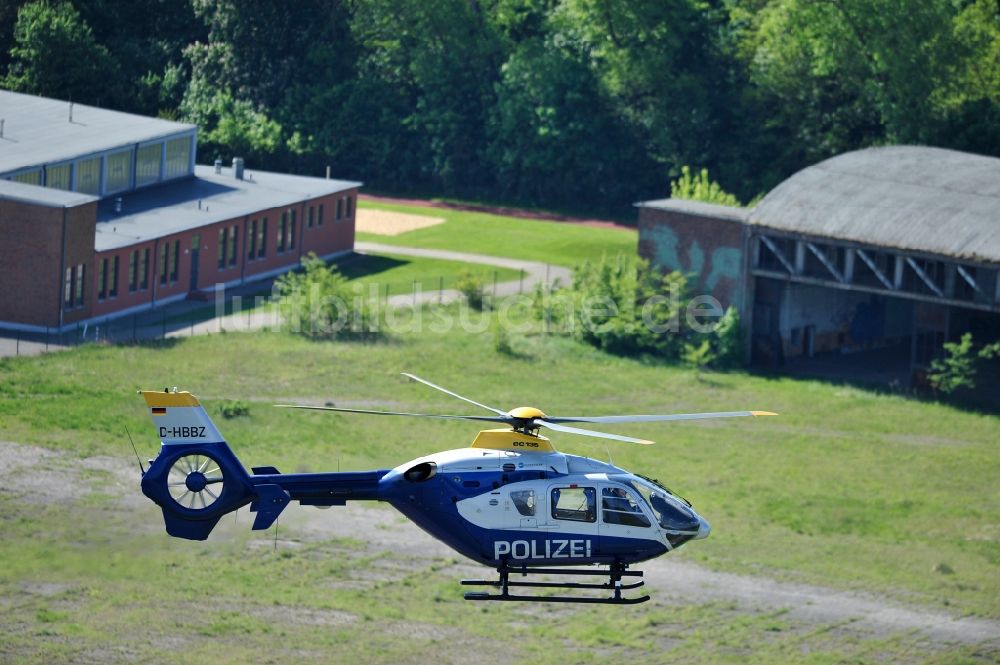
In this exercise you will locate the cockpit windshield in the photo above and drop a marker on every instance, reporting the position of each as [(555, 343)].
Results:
[(673, 513)]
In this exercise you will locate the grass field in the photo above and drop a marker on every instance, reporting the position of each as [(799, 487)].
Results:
[(558, 243), (397, 274), (847, 489)]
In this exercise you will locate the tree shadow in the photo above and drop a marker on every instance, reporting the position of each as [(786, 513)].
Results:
[(980, 401), (363, 265)]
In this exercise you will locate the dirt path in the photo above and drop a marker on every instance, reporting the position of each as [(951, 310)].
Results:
[(534, 271), (42, 475)]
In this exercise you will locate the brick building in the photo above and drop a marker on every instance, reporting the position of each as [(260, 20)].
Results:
[(880, 254), (104, 214)]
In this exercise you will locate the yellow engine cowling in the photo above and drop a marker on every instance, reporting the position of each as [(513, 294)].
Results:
[(505, 439)]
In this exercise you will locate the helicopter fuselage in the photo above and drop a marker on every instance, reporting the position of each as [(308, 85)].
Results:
[(539, 508)]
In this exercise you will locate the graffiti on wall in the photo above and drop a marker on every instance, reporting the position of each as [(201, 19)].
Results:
[(722, 264)]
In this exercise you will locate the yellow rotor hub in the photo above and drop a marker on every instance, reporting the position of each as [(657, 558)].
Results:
[(526, 412)]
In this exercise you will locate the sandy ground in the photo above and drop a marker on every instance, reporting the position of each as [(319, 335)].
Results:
[(40, 475), (386, 223)]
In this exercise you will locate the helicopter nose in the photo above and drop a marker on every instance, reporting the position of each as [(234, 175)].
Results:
[(704, 528)]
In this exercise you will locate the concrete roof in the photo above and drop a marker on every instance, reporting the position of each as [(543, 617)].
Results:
[(37, 130), (43, 196), (906, 197), (699, 208), (171, 208)]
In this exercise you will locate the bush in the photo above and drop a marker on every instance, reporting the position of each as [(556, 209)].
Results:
[(471, 286), (699, 356), (501, 338), (548, 304), (728, 341), (623, 306), (957, 369), (234, 409), (319, 301)]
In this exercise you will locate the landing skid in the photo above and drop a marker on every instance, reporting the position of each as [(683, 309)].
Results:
[(614, 584)]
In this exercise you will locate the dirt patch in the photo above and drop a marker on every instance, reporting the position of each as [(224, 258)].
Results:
[(299, 615), (386, 223)]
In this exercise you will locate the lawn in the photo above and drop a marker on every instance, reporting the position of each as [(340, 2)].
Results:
[(396, 274), (847, 488), (558, 243)]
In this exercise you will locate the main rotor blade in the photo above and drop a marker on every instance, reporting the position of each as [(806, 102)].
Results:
[(587, 432), (657, 418), (393, 413), (448, 392)]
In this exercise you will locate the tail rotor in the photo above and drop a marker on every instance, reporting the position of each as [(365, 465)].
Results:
[(196, 481)]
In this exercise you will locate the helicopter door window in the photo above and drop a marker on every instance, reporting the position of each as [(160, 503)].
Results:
[(575, 503), (524, 501), (618, 506)]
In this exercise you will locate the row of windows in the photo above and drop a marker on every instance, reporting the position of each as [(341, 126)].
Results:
[(112, 173), (169, 258), (579, 504), (138, 273)]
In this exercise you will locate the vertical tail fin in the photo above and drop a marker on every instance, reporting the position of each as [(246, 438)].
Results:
[(179, 418), (196, 478)]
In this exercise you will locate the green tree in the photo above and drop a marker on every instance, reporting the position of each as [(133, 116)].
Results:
[(970, 100), (319, 302), (444, 57), (146, 40), (259, 63), (662, 64), (700, 188), (55, 55), (232, 127), (554, 136), (837, 75), (8, 19)]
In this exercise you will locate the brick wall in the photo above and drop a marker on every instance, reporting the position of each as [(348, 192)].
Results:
[(31, 279)]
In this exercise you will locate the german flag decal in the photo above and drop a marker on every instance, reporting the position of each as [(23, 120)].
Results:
[(159, 411)]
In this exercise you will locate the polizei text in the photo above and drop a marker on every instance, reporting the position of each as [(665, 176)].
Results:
[(541, 549)]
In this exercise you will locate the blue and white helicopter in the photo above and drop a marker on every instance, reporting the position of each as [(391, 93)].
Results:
[(510, 501)]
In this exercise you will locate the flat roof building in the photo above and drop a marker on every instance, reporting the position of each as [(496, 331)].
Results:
[(106, 213), (891, 250)]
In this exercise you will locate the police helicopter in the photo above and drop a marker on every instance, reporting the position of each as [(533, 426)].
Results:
[(510, 501)]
